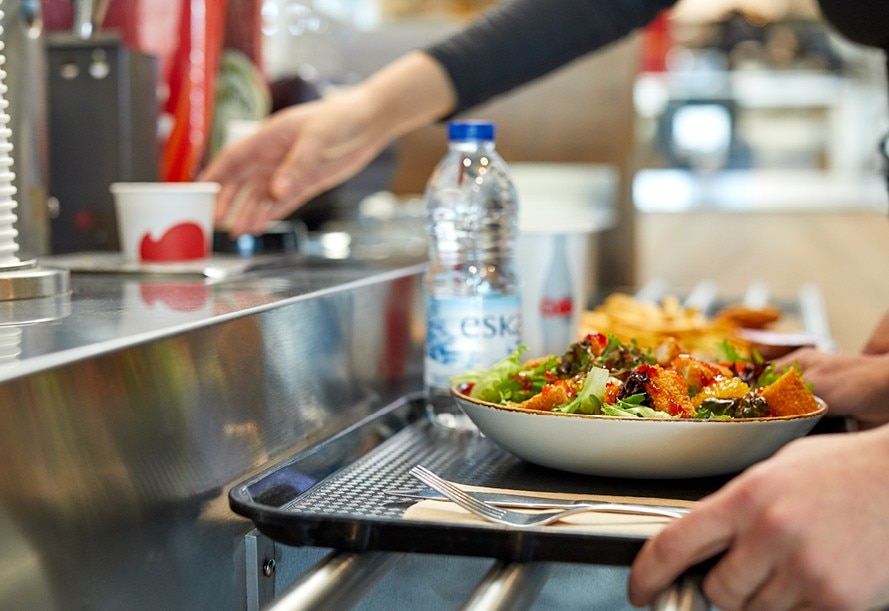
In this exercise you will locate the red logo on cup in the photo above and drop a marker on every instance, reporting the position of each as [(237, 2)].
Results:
[(182, 242), (560, 307)]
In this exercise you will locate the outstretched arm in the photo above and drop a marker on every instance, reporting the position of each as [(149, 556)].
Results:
[(302, 151)]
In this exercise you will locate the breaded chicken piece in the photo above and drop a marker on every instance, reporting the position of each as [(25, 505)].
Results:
[(789, 396), (668, 392), (550, 396)]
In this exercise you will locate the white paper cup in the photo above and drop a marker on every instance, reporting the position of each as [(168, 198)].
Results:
[(165, 221)]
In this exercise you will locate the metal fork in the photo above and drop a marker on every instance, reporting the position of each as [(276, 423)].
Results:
[(525, 520)]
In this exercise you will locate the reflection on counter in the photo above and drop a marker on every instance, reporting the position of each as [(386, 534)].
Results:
[(152, 304), (110, 309)]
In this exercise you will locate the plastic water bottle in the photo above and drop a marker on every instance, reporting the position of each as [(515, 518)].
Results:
[(473, 315)]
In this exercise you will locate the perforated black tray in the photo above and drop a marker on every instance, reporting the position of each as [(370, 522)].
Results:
[(333, 495)]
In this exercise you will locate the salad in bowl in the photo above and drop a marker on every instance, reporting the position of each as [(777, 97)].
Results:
[(613, 408), (600, 375)]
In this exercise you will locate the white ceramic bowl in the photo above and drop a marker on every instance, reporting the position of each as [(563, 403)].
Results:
[(635, 447)]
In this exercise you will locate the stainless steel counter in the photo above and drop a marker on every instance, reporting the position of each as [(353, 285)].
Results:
[(109, 311), (128, 408)]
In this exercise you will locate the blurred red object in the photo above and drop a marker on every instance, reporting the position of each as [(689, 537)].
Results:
[(191, 83), (656, 42), (243, 29)]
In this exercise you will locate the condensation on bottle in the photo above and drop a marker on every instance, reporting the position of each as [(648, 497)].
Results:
[(473, 314)]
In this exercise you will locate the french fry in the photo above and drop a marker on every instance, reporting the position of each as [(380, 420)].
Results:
[(649, 324)]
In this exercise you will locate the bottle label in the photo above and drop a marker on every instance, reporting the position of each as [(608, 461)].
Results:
[(556, 307), (464, 333)]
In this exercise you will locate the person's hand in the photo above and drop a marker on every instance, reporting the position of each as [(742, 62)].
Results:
[(297, 154), (302, 151), (805, 529), (852, 384)]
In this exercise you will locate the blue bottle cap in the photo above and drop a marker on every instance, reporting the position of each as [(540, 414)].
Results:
[(470, 130)]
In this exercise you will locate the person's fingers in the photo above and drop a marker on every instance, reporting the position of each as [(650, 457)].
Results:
[(741, 573), (297, 177), (228, 198), (878, 342), (234, 157), (798, 357), (700, 535), (779, 592), (242, 182), (263, 215), (247, 215), (313, 165), (807, 576), (727, 588), (249, 203)]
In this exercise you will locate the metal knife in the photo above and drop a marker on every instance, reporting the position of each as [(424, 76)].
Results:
[(501, 499)]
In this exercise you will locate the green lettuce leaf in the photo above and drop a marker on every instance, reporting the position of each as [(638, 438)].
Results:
[(589, 399), (497, 383), (638, 411)]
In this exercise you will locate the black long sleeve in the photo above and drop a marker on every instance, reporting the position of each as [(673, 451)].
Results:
[(863, 21), (522, 40)]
